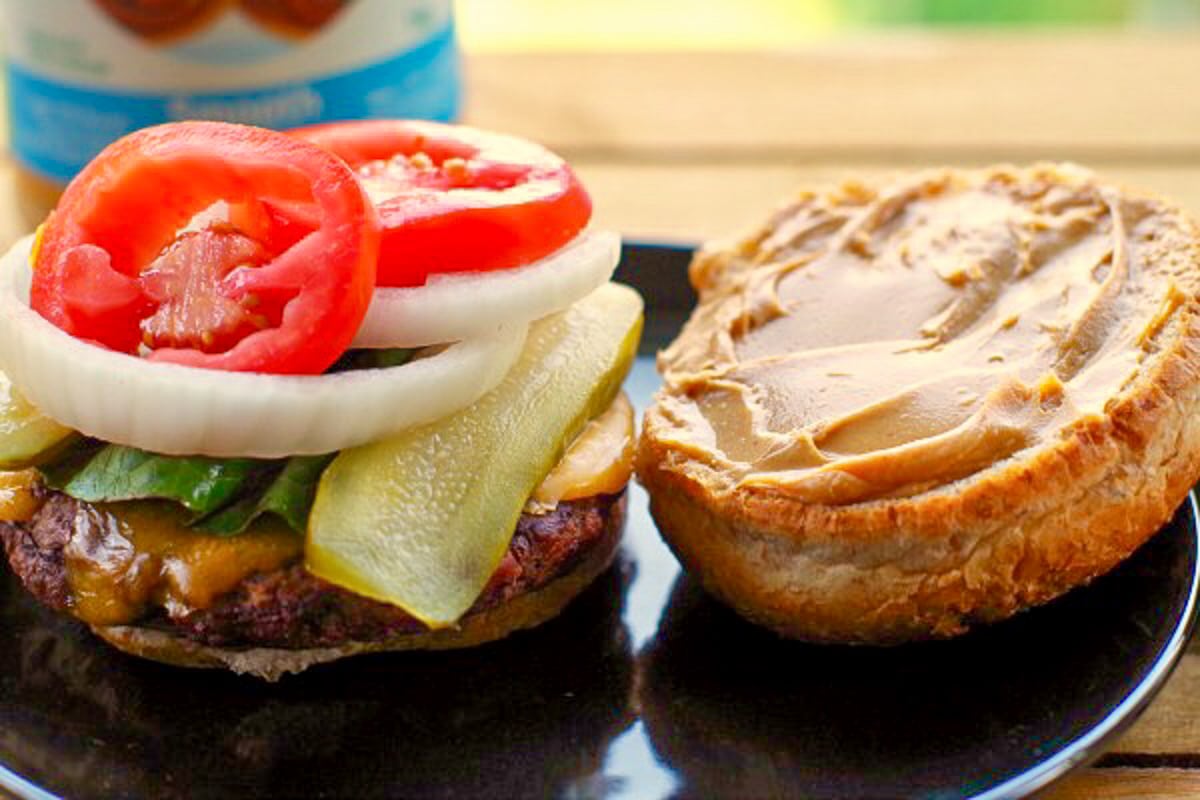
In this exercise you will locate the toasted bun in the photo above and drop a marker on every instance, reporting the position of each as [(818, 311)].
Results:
[(523, 611), (975, 548)]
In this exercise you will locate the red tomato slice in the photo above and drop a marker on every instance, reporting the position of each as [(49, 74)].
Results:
[(125, 261), (452, 198)]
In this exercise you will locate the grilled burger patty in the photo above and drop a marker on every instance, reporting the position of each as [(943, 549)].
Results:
[(289, 608)]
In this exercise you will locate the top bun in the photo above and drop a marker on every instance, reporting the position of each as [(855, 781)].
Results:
[(905, 406)]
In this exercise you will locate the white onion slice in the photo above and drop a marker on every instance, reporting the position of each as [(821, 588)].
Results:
[(454, 306), (168, 408)]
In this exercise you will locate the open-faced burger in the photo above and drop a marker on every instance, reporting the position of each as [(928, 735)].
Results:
[(281, 398), (907, 407)]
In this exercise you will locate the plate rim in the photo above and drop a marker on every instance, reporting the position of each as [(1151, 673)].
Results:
[(1080, 751), (22, 788)]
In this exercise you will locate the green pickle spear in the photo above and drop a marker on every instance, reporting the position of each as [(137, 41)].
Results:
[(422, 519), (27, 436)]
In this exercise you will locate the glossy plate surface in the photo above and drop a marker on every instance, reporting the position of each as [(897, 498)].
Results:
[(644, 688)]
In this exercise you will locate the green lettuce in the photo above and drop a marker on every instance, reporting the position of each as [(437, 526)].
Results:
[(373, 359), (224, 494), (112, 473), (289, 496)]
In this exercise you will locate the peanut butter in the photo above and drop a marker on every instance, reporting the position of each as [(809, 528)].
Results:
[(881, 341)]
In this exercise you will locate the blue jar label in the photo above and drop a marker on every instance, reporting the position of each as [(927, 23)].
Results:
[(63, 113)]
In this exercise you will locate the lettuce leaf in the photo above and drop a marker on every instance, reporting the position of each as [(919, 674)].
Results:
[(224, 494), (201, 485), (373, 359), (289, 496)]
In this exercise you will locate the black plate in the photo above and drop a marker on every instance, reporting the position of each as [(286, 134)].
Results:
[(644, 688)]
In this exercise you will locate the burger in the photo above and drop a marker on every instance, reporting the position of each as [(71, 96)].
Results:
[(276, 399)]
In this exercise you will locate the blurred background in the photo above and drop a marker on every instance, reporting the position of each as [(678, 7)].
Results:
[(487, 25), (691, 119), (687, 118)]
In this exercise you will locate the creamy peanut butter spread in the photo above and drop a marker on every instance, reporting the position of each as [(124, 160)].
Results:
[(882, 341)]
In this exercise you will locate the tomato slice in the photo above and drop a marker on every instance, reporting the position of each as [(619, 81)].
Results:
[(167, 245), (452, 198)]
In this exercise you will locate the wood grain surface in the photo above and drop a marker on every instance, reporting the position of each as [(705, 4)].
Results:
[(688, 146), (1051, 94)]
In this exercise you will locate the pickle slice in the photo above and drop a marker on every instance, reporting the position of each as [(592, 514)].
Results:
[(27, 436), (422, 519)]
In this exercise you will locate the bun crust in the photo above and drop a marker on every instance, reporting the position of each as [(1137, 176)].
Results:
[(523, 611), (975, 549)]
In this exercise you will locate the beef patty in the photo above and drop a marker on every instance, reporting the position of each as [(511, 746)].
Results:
[(290, 608)]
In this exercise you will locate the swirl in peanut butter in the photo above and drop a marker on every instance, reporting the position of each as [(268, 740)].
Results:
[(883, 341)]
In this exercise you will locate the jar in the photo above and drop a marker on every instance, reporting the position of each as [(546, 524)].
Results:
[(82, 73)]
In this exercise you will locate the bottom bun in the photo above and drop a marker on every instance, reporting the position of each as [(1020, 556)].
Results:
[(523, 611)]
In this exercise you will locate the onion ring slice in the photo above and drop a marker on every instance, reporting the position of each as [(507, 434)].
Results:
[(458, 305), (178, 410)]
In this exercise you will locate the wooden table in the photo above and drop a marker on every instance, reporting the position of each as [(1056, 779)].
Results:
[(689, 146)]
